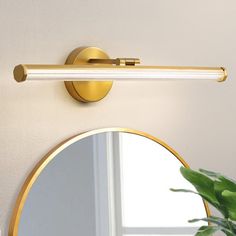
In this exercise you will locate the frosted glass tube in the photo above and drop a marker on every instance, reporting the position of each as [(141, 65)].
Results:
[(120, 73)]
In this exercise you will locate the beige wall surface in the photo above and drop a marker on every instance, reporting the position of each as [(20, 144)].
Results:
[(196, 118)]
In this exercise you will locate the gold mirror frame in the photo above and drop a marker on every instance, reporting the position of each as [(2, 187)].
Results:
[(32, 177)]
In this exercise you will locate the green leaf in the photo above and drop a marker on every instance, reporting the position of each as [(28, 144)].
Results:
[(232, 226), (183, 190), (219, 207), (220, 177), (226, 184), (188, 191), (227, 226), (203, 184), (221, 184), (229, 201), (210, 173), (207, 230), (213, 219), (231, 181), (228, 233), (219, 188)]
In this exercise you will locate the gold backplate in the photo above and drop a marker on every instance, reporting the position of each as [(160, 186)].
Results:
[(87, 91)]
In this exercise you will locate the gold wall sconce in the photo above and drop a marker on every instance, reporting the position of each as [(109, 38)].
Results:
[(89, 73)]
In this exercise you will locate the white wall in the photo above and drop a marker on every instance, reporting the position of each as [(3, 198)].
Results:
[(195, 118)]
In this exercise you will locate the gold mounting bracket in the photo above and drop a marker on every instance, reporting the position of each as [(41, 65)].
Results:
[(117, 61), (87, 91), (92, 91)]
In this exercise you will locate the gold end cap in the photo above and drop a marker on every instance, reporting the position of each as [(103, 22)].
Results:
[(19, 73), (225, 75)]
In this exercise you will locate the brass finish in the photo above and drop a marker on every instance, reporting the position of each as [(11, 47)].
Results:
[(87, 91), (117, 61), (225, 75), (19, 73), (15, 219)]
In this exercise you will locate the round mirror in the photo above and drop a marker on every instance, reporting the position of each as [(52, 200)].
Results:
[(109, 182)]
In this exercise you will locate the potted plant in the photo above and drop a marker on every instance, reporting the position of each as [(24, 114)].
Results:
[(220, 192)]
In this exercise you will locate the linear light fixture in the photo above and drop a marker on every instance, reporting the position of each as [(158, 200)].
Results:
[(89, 72)]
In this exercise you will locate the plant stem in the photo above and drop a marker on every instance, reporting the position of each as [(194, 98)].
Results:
[(229, 225)]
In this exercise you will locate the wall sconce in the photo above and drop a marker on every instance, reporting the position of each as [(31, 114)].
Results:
[(89, 73)]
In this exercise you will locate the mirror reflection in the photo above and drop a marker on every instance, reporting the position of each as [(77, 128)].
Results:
[(110, 183)]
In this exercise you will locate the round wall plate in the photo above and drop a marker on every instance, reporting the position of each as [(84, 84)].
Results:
[(87, 91)]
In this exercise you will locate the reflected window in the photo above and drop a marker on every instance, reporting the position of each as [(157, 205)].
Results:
[(140, 174)]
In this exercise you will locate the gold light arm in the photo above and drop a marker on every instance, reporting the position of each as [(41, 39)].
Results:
[(89, 73), (104, 72)]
